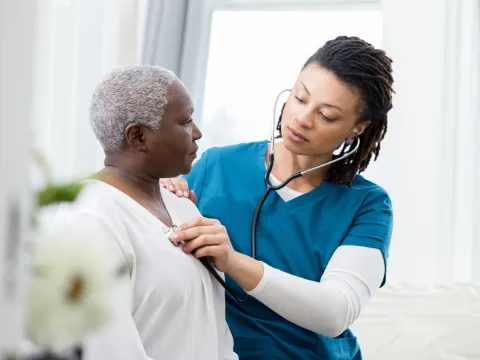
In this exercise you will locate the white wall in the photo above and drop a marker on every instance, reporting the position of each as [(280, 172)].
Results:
[(427, 160), (17, 19), (409, 165)]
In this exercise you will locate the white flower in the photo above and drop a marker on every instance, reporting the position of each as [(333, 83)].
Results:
[(76, 288)]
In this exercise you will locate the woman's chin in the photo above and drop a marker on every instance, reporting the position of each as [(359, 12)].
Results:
[(187, 167), (304, 149), (293, 147)]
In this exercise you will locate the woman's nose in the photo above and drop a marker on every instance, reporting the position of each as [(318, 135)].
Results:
[(196, 133), (305, 119)]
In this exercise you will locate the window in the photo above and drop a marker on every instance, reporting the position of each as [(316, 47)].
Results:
[(254, 55)]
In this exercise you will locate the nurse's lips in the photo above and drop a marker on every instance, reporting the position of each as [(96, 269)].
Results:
[(295, 136)]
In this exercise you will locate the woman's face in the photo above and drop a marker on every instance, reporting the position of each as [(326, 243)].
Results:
[(320, 113), (172, 149)]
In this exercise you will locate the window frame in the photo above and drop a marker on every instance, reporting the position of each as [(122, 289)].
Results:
[(198, 29), (433, 238)]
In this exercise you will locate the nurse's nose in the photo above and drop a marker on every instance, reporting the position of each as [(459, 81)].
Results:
[(305, 118)]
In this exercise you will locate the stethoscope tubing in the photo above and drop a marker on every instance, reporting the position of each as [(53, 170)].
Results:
[(269, 188)]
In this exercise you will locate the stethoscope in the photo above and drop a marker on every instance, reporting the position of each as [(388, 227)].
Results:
[(268, 184), (170, 231)]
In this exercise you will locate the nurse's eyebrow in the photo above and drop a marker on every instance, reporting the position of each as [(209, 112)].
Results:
[(308, 92), (324, 104)]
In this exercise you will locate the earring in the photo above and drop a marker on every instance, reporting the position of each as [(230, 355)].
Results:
[(349, 141)]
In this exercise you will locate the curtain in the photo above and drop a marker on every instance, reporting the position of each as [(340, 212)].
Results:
[(78, 42), (164, 33), (17, 19), (177, 36)]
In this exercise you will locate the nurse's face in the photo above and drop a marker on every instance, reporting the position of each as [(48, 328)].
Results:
[(320, 113)]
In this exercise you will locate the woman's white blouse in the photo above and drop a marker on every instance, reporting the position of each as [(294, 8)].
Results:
[(178, 308)]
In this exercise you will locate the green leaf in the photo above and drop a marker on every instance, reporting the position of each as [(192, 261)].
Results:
[(52, 193)]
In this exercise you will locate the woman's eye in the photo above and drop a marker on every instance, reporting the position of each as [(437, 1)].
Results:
[(299, 100), (326, 117)]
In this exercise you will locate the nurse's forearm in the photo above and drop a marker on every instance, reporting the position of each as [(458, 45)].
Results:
[(246, 271), (327, 307), (317, 308)]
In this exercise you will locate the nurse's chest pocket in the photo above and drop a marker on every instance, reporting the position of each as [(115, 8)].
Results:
[(342, 348), (257, 348)]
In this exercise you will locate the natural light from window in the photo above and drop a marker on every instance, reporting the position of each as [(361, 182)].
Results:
[(254, 55)]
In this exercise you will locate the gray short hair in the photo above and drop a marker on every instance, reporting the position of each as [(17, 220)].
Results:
[(129, 94)]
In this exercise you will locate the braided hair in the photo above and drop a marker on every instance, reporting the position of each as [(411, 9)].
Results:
[(360, 65)]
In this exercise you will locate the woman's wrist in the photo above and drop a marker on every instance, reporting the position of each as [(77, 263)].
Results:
[(246, 271)]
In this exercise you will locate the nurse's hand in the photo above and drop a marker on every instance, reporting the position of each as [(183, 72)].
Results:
[(207, 237), (179, 187)]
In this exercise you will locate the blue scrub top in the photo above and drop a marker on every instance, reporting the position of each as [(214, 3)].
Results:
[(298, 237)]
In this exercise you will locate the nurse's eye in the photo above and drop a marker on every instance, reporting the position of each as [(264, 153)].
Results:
[(326, 118), (300, 101)]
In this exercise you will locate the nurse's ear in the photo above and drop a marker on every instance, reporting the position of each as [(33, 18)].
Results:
[(360, 128), (356, 131)]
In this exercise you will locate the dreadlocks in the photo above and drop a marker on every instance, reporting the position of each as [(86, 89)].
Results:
[(360, 65)]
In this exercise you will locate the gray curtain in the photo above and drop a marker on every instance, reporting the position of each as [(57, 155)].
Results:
[(165, 33), (177, 36)]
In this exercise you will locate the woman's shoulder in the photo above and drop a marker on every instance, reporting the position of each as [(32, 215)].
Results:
[(362, 183), (238, 151), (369, 191)]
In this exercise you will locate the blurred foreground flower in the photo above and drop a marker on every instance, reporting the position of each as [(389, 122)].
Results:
[(76, 288)]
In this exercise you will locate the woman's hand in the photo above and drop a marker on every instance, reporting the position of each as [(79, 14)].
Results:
[(207, 237), (179, 187)]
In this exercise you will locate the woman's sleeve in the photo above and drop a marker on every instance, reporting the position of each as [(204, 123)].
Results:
[(120, 339), (229, 354)]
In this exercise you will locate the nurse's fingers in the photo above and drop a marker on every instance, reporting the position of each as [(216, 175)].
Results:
[(196, 231), (167, 184), (202, 241), (215, 252), (198, 221), (178, 186), (192, 196)]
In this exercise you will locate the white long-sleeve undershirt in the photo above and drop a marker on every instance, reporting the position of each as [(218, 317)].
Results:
[(331, 305)]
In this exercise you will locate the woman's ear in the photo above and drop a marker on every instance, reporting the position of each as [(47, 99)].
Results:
[(360, 128), (135, 137)]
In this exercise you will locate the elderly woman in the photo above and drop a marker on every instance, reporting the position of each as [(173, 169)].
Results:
[(142, 116)]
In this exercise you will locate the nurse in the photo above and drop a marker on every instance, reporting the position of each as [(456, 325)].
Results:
[(323, 241)]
